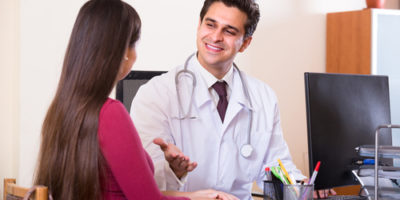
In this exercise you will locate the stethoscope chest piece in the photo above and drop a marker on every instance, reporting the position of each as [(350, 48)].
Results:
[(246, 150)]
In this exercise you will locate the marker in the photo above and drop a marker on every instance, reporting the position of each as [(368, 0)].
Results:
[(277, 172), (284, 171), (285, 181), (311, 181), (314, 175), (268, 173)]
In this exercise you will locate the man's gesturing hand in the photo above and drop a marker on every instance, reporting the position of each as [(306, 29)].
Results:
[(178, 162)]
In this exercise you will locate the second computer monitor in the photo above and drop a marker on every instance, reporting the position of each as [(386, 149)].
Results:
[(343, 112)]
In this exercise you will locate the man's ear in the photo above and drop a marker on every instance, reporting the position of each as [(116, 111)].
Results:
[(246, 43)]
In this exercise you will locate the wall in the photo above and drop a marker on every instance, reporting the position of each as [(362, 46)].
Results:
[(289, 41), (9, 61), (45, 29)]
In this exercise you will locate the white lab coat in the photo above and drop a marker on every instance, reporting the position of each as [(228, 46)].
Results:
[(214, 145)]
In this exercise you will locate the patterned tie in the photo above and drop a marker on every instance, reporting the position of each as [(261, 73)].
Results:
[(219, 87)]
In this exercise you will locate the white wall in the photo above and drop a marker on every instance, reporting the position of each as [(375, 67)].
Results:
[(289, 41), (45, 29), (9, 60)]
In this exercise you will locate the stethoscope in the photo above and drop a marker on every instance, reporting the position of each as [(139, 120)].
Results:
[(245, 149)]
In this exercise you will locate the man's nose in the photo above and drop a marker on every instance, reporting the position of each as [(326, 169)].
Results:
[(217, 36)]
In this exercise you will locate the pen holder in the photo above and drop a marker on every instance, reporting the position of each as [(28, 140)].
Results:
[(298, 192), (273, 190)]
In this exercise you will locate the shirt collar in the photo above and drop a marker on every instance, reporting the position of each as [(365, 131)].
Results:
[(211, 79)]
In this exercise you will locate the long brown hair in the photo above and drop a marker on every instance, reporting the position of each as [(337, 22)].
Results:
[(70, 160)]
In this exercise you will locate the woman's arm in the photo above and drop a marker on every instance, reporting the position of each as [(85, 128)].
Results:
[(202, 195), (124, 153)]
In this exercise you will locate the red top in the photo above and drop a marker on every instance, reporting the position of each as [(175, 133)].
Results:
[(130, 169)]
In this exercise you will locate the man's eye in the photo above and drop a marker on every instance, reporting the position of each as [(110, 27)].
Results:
[(210, 25), (230, 32)]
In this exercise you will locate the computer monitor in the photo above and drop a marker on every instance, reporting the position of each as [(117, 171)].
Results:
[(127, 88), (343, 112)]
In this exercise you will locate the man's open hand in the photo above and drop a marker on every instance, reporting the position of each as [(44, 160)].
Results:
[(178, 162)]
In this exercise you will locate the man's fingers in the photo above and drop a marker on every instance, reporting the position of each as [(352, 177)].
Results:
[(160, 142), (222, 195), (191, 166), (176, 163), (322, 194), (315, 196), (171, 157), (183, 165)]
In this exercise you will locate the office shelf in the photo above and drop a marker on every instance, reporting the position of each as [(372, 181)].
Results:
[(381, 172)]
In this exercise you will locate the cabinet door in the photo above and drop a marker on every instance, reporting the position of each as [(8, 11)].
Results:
[(386, 59)]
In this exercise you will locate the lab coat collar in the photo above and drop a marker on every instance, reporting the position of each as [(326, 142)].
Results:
[(237, 101), (210, 79), (235, 83)]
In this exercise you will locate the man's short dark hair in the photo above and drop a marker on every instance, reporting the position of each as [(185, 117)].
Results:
[(247, 6)]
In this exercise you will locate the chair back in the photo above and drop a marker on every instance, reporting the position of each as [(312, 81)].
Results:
[(15, 192)]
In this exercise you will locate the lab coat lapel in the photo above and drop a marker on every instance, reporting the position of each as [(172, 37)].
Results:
[(201, 94), (204, 104), (237, 101)]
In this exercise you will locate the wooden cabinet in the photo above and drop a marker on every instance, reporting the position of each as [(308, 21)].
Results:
[(367, 42)]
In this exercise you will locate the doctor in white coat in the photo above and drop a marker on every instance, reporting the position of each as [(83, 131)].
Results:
[(230, 151)]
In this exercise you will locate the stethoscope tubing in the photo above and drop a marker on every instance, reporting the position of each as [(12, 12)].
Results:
[(186, 115)]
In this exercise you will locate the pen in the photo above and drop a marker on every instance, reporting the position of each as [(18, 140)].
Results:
[(293, 179), (365, 162), (314, 175), (284, 171)]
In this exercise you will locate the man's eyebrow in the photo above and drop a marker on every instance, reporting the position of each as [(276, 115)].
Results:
[(209, 19)]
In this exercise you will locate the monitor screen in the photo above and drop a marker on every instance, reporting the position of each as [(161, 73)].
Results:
[(127, 88), (343, 112)]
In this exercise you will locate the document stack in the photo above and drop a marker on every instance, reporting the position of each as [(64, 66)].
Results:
[(389, 176)]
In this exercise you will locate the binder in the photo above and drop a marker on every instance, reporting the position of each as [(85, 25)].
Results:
[(384, 151), (388, 172)]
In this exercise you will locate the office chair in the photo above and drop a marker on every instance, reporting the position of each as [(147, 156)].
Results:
[(15, 192), (127, 88)]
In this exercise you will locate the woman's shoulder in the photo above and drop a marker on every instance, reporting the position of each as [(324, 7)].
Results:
[(112, 104), (113, 108)]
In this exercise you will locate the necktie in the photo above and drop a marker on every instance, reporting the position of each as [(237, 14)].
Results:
[(219, 87)]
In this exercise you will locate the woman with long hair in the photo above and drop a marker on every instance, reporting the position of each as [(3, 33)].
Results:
[(90, 148)]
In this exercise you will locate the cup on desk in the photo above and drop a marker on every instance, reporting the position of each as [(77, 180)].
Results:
[(298, 192), (273, 190)]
